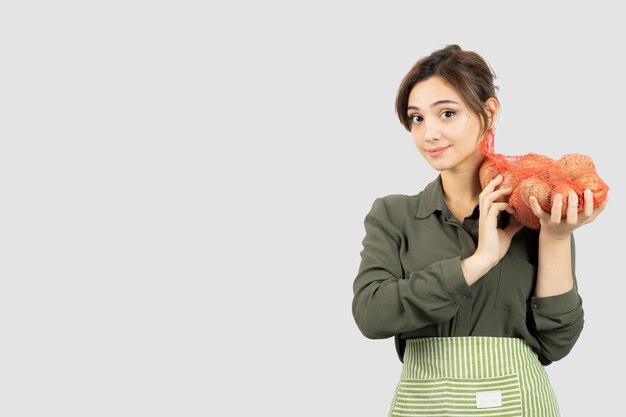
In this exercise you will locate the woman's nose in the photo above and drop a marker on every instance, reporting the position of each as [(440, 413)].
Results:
[(432, 131)]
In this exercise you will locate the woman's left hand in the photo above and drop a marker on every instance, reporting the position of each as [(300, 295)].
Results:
[(560, 228)]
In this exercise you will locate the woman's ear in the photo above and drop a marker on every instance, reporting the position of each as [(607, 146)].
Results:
[(491, 107)]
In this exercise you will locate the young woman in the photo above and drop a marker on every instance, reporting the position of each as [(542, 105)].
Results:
[(478, 304)]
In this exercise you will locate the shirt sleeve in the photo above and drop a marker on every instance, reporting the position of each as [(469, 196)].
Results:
[(558, 320), (386, 303)]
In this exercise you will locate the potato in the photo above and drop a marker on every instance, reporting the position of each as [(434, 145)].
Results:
[(540, 189), (520, 200), (564, 189), (598, 188), (573, 165), (533, 164), (543, 177), (523, 213), (488, 171)]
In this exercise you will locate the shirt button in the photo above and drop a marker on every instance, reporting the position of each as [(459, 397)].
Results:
[(465, 297), (535, 306)]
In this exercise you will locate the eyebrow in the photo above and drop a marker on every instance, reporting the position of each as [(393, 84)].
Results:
[(436, 103)]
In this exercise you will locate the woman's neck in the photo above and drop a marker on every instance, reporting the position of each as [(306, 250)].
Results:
[(461, 189)]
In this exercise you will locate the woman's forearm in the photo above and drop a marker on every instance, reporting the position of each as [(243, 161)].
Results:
[(554, 272)]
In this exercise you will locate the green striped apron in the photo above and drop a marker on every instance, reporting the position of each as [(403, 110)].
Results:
[(472, 376)]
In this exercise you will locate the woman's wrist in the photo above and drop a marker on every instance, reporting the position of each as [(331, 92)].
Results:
[(551, 237), (475, 267)]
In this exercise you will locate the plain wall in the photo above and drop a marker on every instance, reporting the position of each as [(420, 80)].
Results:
[(184, 186)]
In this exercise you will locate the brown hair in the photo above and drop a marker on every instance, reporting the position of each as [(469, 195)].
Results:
[(466, 71)]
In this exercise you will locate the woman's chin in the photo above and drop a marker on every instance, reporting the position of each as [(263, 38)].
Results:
[(438, 166)]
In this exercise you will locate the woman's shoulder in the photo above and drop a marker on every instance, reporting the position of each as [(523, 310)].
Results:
[(396, 207), (399, 200)]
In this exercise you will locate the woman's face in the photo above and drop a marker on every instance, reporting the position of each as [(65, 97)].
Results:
[(443, 128)]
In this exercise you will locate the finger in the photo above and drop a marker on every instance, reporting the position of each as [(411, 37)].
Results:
[(557, 204), (491, 185), (536, 208), (596, 212), (501, 191), (511, 210), (600, 208), (494, 195), (497, 207), (572, 208), (588, 207), (513, 227)]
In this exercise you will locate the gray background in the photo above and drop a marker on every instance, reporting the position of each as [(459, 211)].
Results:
[(183, 190)]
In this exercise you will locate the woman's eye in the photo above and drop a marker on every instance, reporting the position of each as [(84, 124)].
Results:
[(415, 118), (448, 113)]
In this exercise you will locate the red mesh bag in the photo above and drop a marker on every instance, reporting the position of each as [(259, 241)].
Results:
[(541, 176)]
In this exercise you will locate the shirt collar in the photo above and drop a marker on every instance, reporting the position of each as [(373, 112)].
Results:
[(431, 199)]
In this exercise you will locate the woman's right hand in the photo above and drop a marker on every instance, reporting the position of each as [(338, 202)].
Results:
[(493, 242)]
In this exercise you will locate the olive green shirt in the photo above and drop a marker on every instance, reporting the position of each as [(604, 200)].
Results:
[(410, 282)]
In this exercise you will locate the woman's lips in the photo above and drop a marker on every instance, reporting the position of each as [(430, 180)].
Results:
[(437, 151)]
